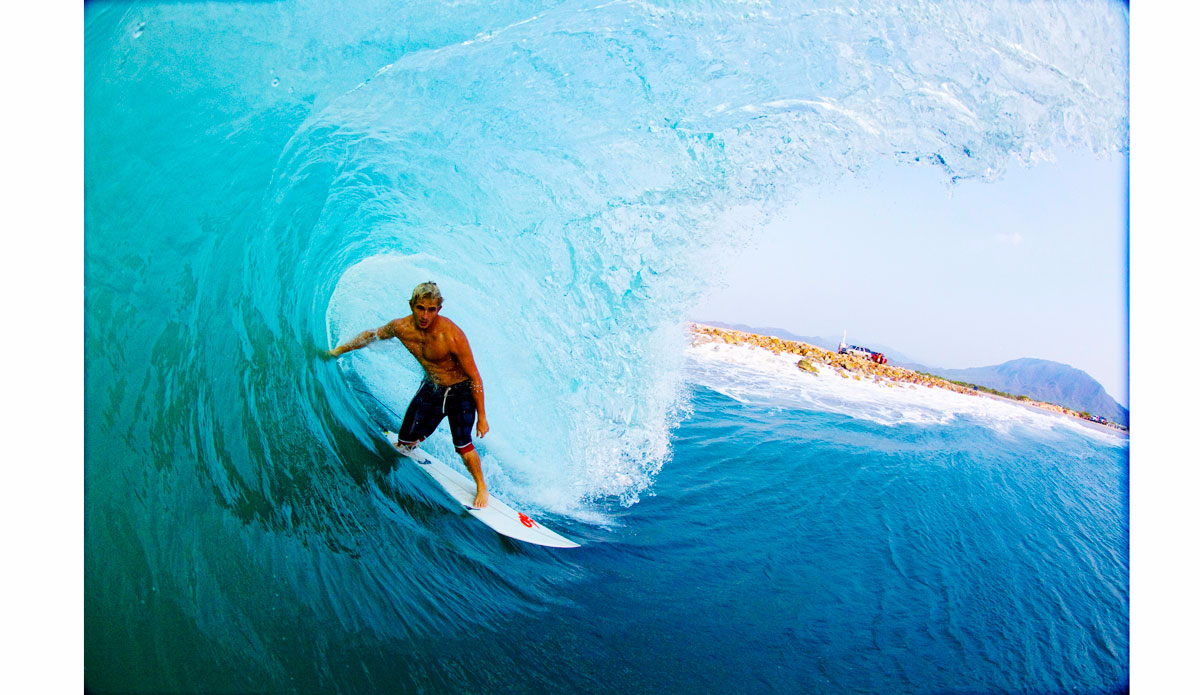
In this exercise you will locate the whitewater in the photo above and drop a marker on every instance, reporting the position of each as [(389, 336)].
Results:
[(263, 180)]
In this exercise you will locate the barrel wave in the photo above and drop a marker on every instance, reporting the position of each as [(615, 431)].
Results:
[(265, 179)]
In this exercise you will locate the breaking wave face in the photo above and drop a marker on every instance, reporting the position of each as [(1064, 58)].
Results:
[(264, 180), (570, 172)]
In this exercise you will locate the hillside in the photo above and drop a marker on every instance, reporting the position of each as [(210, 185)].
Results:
[(1042, 380)]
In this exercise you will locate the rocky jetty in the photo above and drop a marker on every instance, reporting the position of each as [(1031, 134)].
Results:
[(848, 366)]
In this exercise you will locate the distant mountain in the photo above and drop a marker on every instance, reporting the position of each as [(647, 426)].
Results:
[(1041, 380)]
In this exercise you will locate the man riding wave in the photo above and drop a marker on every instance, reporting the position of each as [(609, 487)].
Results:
[(452, 387)]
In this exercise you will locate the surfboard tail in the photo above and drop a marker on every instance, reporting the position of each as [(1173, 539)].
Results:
[(497, 515)]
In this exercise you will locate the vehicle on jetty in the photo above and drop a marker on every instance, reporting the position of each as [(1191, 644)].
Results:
[(872, 355)]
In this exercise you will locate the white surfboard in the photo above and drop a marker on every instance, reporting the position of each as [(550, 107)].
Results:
[(502, 518)]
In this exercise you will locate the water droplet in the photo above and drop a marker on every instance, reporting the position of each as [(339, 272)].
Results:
[(275, 82)]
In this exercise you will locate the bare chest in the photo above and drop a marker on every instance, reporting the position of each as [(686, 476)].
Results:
[(429, 349)]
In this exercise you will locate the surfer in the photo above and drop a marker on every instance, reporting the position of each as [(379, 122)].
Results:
[(452, 387)]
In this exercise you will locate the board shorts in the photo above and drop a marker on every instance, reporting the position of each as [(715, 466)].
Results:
[(430, 405)]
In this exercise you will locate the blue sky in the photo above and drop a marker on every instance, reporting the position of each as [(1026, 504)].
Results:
[(975, 274)]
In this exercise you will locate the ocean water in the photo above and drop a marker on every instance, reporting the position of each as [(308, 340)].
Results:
[(265, 179)]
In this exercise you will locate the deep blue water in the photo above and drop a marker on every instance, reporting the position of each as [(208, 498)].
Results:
[(263, 180)]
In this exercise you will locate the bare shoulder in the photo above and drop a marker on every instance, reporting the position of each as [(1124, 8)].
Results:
[(451, 331), (448, 327), (396, 327)]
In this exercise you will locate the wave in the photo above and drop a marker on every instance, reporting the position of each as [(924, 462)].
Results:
[(574, 176), (265, 179)]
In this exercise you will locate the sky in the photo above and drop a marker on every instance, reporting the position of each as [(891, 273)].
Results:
[(965, 275)]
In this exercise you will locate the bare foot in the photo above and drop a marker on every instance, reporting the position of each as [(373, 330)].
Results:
[(475, 467)]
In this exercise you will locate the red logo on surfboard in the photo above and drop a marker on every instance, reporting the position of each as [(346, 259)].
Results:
[(529, 523)]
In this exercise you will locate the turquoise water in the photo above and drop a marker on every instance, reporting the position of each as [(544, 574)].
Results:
[(263, 180)]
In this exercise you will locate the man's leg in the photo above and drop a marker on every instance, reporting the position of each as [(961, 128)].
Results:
[(421, 418), (460, 408), (471, 460)]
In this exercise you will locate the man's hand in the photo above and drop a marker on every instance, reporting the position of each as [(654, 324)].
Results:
[(360, 341), (481, 427), (321, 353)]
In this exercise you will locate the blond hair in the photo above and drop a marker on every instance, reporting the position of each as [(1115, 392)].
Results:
[(426, 290)]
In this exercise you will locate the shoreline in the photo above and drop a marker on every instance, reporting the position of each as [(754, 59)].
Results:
[(853, 366)]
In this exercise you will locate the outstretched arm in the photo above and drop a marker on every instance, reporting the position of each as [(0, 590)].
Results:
[(462, 352), (365, 338)]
